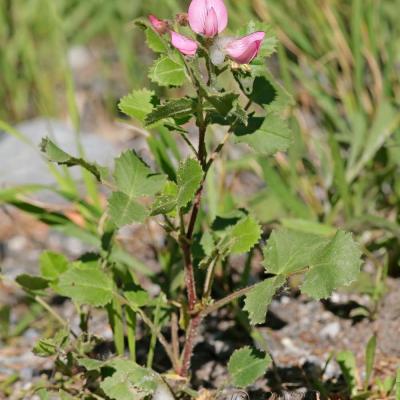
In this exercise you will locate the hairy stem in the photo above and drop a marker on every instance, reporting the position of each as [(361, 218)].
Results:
[(202, 125), (186, 239), (226, 300), (185, 243), (191, 335)]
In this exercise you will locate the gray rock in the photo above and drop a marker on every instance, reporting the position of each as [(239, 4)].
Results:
[(330, 331), (24, 164)]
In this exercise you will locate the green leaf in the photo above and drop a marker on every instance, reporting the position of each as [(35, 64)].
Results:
[(86, 285), (177, 108), (155, 41), (262, 88), (190, 175), (348, 366), (306, 226), (258, 299), (265, 135), (51, 346), (337, 264), (134, 178), (165, 201), (223, 102), (125, 210), (137, 104), (129, 381), (138, 298), (328, 262), (91, 364), (167, 72), (370, 353), (246, 366), (207, 243), (32, 283), (290, 251), (242, 237), (163, 204), (55, 154), (52, 264)]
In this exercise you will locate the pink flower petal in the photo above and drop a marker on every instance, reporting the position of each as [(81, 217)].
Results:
[(183, 44), (201, 19), (243, 50), (211, 24), (158, 25)]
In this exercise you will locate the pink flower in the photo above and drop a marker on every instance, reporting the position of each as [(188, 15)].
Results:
[(244, 49), (158, 25), (183, 44), (208, 17)]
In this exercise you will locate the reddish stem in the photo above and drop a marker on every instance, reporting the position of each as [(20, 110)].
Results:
[(191, 335), (195, 319), (189, 273)]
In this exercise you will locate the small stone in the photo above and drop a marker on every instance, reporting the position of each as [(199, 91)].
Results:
[(330, 331)]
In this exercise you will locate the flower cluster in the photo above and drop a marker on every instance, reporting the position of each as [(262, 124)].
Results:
[(209, 18)]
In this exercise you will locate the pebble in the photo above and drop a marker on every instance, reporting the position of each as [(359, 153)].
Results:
[(330, 331)]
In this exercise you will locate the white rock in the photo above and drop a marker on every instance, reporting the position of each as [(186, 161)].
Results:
[(24, 164), (330, 331)]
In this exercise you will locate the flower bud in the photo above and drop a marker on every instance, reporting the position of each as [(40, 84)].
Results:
[(182, 19), (159, 25)]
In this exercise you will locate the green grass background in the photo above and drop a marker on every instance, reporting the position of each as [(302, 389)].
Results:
[(340, 59)]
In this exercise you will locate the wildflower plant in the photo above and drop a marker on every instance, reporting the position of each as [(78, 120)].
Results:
[(230, 91)]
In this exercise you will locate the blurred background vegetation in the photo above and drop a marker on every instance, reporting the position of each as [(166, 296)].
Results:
[(340, 59)]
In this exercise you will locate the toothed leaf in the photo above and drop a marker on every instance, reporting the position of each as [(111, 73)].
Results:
[(328, 263), (135, 178), (129, 381), (55, 154), (243, 236), (167, 72), (125, 210), (86, 285), (265, 135), (137, 104), (190, 175), (246, 366), (258, 299), (177, 108)]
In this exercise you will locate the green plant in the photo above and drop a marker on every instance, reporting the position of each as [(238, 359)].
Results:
[(363, 388), (247, 106)]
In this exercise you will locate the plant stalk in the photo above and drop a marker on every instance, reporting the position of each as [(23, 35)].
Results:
[(191, 335)]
